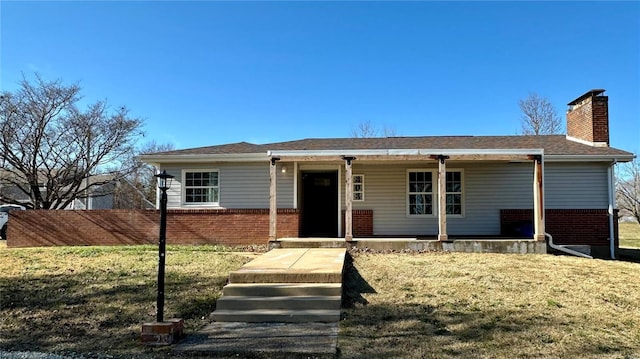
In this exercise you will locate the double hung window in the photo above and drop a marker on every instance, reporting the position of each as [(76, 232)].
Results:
[(201, 187), (422, 192)]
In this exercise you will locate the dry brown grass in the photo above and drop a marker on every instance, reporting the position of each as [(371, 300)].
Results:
[(432, 305), (629, 235), (95, 299), (441, 305)]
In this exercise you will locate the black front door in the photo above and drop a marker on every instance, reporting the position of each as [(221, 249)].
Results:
[(320, 204)]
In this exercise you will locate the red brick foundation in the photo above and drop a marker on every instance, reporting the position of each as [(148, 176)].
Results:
[(117, 227), (362, 220), (567, 226)]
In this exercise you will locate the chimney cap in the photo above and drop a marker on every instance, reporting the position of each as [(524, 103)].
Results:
[(591, 93)]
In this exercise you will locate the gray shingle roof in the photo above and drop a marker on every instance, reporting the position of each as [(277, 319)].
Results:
[(552, 145)]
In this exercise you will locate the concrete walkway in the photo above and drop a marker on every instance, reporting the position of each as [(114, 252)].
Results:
[(292, 272), (235, 338), (293, 265)]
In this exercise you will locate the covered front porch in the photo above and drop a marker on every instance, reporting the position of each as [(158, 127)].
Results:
[(417, 244), (301, 163)]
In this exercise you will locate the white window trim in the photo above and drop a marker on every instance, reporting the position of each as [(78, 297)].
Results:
[(434, 193), (354, 185), (183, 192), (462, 193)]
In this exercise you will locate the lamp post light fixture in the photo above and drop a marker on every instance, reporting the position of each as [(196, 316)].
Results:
[(164, 183), (161, 332)]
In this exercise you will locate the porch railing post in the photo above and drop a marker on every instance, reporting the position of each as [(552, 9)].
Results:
[(442, 198), (348, 213), (538, 200)]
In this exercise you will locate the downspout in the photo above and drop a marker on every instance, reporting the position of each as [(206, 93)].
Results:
[(553, 245), (612, 206), (565, 249)]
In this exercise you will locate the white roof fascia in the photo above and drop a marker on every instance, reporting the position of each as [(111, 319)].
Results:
[(406, 152), (200, 158), (588, 158)]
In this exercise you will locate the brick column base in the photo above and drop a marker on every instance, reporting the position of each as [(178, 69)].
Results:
[(165, 333)]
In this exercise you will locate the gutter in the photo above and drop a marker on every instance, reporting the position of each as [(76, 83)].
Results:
[(589, 158), (204, 158), (565, 249)]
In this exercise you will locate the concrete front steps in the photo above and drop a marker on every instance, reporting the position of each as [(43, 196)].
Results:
[(285, 285)]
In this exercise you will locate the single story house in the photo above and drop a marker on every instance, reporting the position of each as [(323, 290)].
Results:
[(441, 188)]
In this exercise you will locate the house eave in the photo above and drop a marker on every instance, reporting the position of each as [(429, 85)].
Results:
[(381, 154), (204, 158), (589, 158), (405, 152)]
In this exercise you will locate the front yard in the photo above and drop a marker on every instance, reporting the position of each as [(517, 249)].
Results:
[(95, 299), (428, 305), (457, 305)]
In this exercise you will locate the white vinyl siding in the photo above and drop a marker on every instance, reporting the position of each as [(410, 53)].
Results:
[(242, 185), (576, 185)]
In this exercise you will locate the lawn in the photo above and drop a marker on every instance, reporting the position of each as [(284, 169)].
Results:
[(457, 305), (427, 305), (95, 299), (629, 235)]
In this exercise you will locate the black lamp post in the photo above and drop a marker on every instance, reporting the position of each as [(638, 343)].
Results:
[(164, 183)]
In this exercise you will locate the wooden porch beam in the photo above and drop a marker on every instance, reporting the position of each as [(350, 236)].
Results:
[(407, 158)]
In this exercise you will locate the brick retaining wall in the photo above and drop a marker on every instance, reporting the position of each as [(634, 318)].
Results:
[(117, 227)]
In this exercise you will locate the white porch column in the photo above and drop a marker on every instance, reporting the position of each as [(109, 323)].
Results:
[(442, 198), (538, 200), (273, 206), (348, 215)]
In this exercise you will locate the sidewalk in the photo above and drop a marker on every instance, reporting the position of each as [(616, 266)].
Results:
[(303, 339)]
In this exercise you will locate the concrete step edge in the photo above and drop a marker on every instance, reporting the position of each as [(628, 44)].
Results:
[(282, 289), (244, 277), (271, 315), (279, 302)]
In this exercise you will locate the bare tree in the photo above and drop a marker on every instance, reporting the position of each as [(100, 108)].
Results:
[(49, 147), (628, 189), (138, 189), (366, 129), (539, 116)]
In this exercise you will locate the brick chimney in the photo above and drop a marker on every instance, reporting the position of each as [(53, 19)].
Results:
[(588, 119)]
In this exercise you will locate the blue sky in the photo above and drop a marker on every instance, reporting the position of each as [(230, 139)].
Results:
[(204, 73)]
